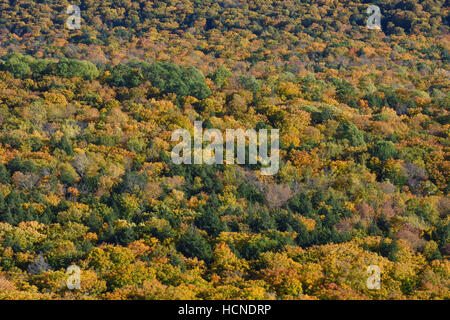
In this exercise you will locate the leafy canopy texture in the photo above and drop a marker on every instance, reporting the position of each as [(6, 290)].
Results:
[(87, 179)]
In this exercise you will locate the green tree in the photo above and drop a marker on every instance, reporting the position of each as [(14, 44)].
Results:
[(384, 150), (192, 244), (19, 65), (210, 221), (349, 131), (68, 68), (221, 76)]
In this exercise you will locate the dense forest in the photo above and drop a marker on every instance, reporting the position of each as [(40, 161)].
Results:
[(86, 178)]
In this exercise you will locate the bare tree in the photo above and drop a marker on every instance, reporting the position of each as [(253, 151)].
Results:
[(39, 265), (276, 195)]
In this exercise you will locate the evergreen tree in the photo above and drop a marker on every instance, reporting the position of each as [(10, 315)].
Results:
[(192, 244)]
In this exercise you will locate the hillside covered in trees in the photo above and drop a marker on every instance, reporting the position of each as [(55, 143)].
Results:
[(86, 178)]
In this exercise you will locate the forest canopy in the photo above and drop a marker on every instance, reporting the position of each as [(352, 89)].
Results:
[(86, 177)]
